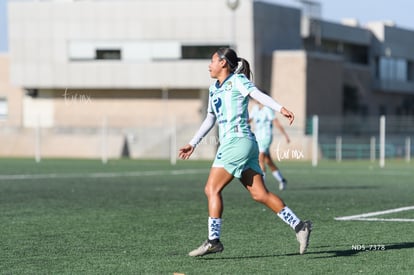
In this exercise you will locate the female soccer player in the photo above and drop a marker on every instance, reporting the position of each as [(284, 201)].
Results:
[(237, 155), (264, 118)]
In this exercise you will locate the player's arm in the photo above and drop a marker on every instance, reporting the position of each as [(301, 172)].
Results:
[(279, 126), (271, 103), (208, 123)]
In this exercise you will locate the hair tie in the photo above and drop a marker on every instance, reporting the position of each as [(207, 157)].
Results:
[(223, 56)]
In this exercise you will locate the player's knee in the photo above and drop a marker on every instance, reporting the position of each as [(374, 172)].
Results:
[(259, 196), (210, 190), (206, 191)]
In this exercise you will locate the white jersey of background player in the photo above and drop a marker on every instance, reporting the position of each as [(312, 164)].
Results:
[(264, 118)]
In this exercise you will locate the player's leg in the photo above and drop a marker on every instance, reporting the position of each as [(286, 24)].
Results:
[(217, 180), (275, 171), (263, 145), (254, 183), (262, 161), (269, 162)]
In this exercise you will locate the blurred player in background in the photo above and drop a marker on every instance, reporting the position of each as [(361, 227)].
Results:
[(237, 155), (264, 118)]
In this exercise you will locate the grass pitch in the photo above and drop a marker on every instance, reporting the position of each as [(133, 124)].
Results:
[(143, 217)]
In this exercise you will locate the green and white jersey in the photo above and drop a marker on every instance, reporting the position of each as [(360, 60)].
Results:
[(229, 103), (263, 121)]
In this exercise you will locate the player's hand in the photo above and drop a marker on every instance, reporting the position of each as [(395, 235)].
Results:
[(287, 139), (185, 151), (288, 114)]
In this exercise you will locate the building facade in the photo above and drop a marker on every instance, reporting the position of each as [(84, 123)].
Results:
[(144, 63)]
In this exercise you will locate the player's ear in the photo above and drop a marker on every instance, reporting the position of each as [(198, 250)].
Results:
[(223, 63)]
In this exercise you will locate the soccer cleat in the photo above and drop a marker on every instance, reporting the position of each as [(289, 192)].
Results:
[(207, 248), (282, 185), (303, 236)]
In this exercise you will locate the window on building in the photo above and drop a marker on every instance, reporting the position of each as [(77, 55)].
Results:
[(410, 71), (127, 50), (350, 104), (335, 47), (352, 53), (356, 54), (199, 51), (393, 69), (108, 54), (407, 106), (137, 50), (4, 110)]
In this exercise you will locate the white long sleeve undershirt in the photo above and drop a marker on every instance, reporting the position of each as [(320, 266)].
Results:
[(210, 119), (205, 127), (265, 100)]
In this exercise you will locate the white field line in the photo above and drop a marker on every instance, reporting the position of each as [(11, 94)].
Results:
[(104, 175), (162, 172), (364, 216), (359, 172), (384, 220)]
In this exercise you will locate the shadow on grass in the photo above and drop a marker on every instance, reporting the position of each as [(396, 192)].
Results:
[(217, 258), (331, 253), (363, 249), (335, 187)]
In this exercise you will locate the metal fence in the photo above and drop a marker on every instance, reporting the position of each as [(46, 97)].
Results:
[(355, 137), (338, 138)]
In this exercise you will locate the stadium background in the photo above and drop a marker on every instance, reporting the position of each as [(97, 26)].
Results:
[(111, 79), (124, 83)]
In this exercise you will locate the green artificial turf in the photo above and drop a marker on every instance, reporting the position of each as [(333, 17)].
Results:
[(144, 216)]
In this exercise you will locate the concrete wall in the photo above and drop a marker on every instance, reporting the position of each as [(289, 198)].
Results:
[(289, 83), (275, 28), (44, 37), (11, 93), (83, 108)]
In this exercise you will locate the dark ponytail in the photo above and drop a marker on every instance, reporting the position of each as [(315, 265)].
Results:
[(245, 68), (233, 62)]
